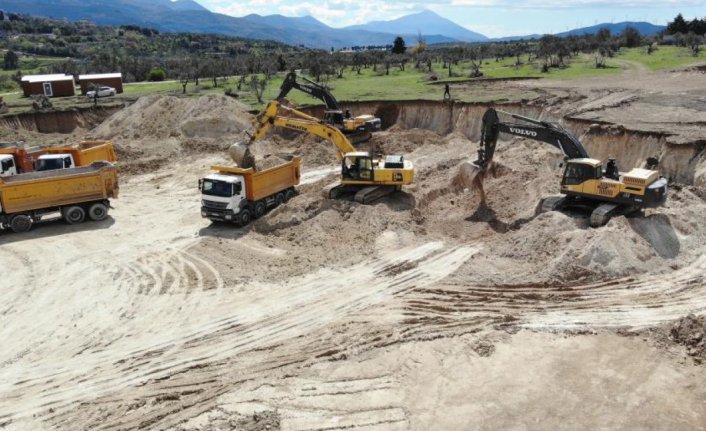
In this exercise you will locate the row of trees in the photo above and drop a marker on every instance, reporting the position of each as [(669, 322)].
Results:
[(145, 54)]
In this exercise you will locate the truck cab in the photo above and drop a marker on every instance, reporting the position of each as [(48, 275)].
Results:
[(222, 196), (49, 162), (8, 167)]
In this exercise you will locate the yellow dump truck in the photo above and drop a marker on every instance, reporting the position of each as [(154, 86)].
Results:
[(73, 194), (240, 195)]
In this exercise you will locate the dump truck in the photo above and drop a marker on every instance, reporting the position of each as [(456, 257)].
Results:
[(16, 160), (72, 194), (238, 195)]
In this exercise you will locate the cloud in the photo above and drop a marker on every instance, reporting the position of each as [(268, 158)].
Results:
[(575, 4)]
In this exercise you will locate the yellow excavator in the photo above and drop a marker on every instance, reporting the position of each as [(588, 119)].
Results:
[(585, 184), (357, 129), (368, 177)]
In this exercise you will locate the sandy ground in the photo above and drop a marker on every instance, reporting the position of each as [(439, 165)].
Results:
[(423, 311)]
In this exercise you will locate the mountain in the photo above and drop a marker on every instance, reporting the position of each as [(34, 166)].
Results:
[(645, 28), (189, 16), (426, 22)]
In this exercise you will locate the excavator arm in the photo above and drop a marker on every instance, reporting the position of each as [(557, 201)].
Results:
[(276, 114), (311, 88), (543, 131)]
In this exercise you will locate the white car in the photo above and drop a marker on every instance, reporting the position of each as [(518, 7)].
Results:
[(102, 92)]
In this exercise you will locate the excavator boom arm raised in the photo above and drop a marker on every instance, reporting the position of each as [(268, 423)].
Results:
[(311, 88), (543, 131), (299, 121)]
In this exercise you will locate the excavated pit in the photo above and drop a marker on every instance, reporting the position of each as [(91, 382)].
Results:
[(178, 324), (682, 162)]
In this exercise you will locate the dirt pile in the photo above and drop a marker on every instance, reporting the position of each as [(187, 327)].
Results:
[(690, 332), (160, 117), (158, 128)]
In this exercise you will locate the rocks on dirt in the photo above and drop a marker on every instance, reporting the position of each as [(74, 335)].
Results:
[(690, 332)]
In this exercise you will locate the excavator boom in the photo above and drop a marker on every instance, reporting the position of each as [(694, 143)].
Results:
[(551, 133)]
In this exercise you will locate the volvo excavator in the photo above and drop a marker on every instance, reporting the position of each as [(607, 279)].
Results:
[(366, 176), (357, 129), (606, 192)]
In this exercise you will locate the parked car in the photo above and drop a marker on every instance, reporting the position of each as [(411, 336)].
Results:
[(102, 92)]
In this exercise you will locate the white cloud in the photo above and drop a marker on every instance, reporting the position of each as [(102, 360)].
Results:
[(575, 4)]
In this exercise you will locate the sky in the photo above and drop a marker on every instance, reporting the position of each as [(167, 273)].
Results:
[(493, 18)]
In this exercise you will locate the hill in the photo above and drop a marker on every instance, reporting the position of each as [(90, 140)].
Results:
[(645, 28), (190, 17)]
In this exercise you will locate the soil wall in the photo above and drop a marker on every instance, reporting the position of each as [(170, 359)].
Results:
[(683, 162)]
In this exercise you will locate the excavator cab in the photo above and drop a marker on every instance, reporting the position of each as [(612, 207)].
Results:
[(578, 171), (358, 166)]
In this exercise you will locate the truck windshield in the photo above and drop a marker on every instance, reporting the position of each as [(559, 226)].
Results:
[(49, 164), (217, 188)]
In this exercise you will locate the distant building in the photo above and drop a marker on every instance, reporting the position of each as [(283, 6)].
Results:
[(114, 80), (58, 85)]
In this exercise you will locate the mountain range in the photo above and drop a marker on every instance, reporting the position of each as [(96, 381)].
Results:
[(189, 16)]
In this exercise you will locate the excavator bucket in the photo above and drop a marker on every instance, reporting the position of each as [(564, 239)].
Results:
[(241, 155), (470, 176)]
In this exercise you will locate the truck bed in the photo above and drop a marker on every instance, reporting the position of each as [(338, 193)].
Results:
[(48, 189), (261, 184)]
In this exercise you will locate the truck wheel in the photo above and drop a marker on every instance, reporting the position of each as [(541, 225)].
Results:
[(289, 194), (21, 223), (97, 212), (74, 215), (260, 209), (245, 217), (279, 199)]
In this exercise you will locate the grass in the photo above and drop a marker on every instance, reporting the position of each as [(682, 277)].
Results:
[(397, 85), (665, 57)]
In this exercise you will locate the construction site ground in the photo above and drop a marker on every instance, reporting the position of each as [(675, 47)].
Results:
[(426, 310)]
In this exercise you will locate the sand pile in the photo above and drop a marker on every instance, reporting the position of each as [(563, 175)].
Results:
[(159, 116), (158, 128)]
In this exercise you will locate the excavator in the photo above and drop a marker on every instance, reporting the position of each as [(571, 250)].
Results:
[(606, 192), (357, 129), (367, 176)]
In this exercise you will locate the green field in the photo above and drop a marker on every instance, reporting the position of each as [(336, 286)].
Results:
[(665, 57), (398, 84)]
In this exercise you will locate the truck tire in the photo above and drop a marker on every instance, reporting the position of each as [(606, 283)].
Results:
[(289, 194), (97, 212), (73, 214), (259, 209), (279, 199), (21, 223), (244, 217)]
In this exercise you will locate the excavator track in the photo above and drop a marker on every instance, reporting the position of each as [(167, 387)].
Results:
[(370, 194), (552, 203), (602, 214)]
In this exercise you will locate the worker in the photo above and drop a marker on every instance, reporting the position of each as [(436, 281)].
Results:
[(611, 170), (447, 92)]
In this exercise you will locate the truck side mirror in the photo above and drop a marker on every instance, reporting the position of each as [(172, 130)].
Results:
[(200, 183)]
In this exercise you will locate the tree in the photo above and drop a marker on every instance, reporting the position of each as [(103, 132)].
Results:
[(398, 46), (693, 41), (630, 37), (258, 85), (679, 25), (156, 74), (11, 61)]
